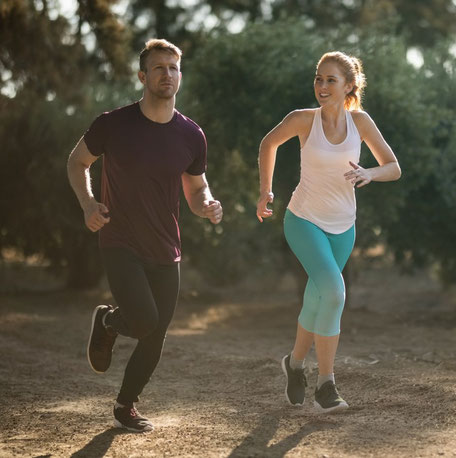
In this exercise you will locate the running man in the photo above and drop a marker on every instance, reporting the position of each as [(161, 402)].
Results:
[(319, 222), (150, 151)]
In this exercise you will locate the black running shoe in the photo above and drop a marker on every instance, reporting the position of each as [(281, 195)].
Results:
[(296, 383), (328, 399), (129, 418), (101, 341)]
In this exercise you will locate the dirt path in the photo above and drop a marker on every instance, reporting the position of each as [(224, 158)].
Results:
[(218, 391)]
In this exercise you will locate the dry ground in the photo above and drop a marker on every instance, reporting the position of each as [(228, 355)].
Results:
[(218, 391)]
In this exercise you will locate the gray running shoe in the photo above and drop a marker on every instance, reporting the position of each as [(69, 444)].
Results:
[(296, 383), (328, 399), (129, 418), (101, 341)]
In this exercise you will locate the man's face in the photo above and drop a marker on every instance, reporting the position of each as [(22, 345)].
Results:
[(162, 76)]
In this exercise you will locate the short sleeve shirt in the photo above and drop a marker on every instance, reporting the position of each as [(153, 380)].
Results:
[(143, 162)]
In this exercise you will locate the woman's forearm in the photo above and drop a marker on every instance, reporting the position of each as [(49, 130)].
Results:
[(266, 164), (386, 172)]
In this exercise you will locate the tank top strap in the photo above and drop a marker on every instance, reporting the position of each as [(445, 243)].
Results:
[(351, 126), (316, 126)]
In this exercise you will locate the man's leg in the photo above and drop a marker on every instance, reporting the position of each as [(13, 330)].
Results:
[(136, 315), (164, 285), (134, 283)]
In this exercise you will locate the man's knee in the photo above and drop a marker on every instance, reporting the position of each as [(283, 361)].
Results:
[(143, 325)]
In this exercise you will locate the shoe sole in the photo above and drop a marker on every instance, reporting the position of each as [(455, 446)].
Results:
[(94, 315), (118, 424), (339, 408), (284, 369)]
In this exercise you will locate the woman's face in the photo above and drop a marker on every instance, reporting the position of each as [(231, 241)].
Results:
[(330, 85)]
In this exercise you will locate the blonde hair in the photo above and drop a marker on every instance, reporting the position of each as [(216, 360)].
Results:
[(352, 70), (155, 44)]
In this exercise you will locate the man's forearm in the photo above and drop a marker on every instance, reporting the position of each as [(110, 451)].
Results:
[(79, 177), (198, 199)]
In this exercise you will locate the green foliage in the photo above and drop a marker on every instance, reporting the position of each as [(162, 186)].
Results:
[(422, 23), (112, 35), (58, 90), (430, 210), (235, 90), (238, 87)]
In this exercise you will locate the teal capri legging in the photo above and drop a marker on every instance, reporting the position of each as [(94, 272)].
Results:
[(323, 256)]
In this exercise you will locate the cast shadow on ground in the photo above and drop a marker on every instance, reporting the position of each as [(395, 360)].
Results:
[(100, 444), (256, 443)]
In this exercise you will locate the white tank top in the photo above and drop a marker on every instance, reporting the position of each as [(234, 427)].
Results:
[(323, 196)]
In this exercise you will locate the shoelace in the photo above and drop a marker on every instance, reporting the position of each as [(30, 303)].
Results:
[(330, 391), (300, 376)]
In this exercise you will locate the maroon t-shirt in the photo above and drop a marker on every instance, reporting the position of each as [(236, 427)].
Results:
[(143, 162)]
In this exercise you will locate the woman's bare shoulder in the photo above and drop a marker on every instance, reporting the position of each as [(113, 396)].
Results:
[(305, 113), (360, 116), (302, 116)]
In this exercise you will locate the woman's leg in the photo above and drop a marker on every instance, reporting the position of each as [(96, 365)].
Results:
[(326, 348), (327, 322), (323, 256), (325, 292), (303, 343), (311, 247)]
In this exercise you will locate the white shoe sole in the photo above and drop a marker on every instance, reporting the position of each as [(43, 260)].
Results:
[(118, 424), (339, 408), (286, 376), (94, 314)]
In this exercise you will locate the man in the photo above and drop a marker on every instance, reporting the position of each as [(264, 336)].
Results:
[(149, 151)]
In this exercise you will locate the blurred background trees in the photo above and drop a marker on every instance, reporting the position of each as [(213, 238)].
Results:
[(246, 65)]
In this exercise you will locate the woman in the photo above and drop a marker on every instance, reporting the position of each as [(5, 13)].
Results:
[(319, 221)]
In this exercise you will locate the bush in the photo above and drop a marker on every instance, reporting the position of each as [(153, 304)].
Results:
[(237, 87)]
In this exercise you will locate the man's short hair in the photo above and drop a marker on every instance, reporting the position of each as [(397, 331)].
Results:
[(155, 44)]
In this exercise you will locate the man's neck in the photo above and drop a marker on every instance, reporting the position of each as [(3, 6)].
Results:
[(158, 110)]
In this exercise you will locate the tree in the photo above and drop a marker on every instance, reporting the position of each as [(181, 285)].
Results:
[(426, 239), (247, 92), (237, 87), (50, 92), (187, 24), (423, 23)]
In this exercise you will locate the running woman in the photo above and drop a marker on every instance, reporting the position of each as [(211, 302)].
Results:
[(319, 221), (150, 151)]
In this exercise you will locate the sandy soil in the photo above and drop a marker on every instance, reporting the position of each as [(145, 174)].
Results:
[(218, 391)]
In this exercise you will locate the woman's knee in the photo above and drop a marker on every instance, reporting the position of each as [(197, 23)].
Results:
[(327, 322), (333, 296), (332, 292)]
